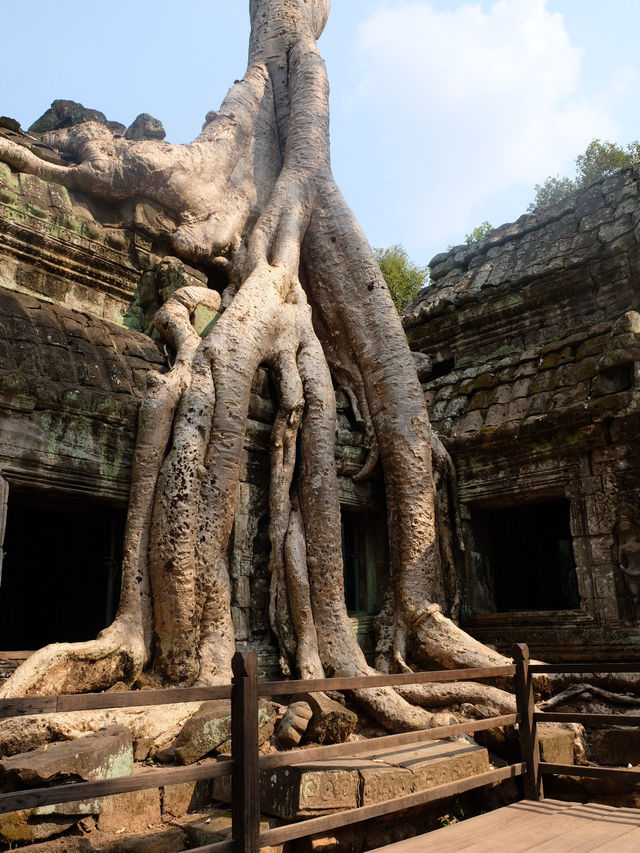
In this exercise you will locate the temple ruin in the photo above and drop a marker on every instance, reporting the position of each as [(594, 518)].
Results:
[(531, 338)]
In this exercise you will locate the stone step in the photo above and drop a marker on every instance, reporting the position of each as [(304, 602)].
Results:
[(322, 787)]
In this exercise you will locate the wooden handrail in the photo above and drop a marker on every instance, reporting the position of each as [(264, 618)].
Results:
[(584, 668)]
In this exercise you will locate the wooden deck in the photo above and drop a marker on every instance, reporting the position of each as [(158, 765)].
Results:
[(548, 826)]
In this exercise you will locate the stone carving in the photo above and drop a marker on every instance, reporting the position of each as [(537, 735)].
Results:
[(628, 557)]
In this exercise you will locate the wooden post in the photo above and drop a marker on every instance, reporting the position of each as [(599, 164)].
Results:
[(245, 805), (527, 731)]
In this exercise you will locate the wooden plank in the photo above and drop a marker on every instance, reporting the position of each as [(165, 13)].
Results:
[(28, 705), (102, 701), (588, 719), (580, 668), (36, 797), (551, 826), (618, 774), (628, 843), (218, 847), (138, 698), (316, 825), (510, 822), (588, 828), (374, 745), (245, 801), (527, 728), (289, 688)]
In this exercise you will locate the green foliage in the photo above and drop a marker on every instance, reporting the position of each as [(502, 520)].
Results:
[(552, 190), (404, 278), (598, 160), (478, 233)]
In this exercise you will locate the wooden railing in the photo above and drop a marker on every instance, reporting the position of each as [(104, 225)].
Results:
[(245, 763), (545, 768)]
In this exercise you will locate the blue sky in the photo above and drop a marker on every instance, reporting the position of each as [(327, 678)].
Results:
[(444, 113)]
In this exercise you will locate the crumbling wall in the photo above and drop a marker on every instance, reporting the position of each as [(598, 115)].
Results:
[(533, 337)]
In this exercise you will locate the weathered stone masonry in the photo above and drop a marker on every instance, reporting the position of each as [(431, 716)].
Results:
[(533, 336)]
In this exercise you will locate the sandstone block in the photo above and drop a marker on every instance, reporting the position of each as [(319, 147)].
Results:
[(317, 788), (103, 755), (21, 826), (207, 729), (556, 743), (187, 797), (331, 722), (216, 827), (614, 747), (132, 811), (439, 762), (166, 841), (72, 844), (210, 727)]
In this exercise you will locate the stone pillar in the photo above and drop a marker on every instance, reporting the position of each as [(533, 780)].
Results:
[(4, 501)]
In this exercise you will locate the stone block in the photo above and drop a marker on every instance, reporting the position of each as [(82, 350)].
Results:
[(172, 840), (186, 797), (21, 826), (71, 844), (438, 762), (215, 827), (132, 811), (102, 755), (210, 727), (331, 722), (204, 731), (556, 743), (317, 788), (614, 747), (378, 781), (602, 549)]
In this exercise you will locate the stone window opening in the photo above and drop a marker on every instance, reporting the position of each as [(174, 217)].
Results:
[(526, 560), (61, 569)]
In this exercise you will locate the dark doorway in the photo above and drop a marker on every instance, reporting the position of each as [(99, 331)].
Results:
[(61, 570), (531, 557), (364, 555)]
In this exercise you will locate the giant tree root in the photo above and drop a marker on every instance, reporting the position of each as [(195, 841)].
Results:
[(254, 195)]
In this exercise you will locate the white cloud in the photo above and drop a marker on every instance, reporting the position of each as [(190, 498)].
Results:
[(469, 102)]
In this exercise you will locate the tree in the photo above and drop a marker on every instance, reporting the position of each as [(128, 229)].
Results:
[(478, 233), (598, 160), (403, 278), (256, 200)]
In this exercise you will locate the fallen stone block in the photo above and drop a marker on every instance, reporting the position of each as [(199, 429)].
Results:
[(614, 747), (210, 727), (103, 755), (556, 743), (438, 762), (132, 811), (172, 840), (215, 827), (186, 797), (24, 826), (313, 789), (70, 844), (331, 721)]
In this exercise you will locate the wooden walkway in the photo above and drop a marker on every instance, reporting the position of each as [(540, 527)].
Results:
[(548, 826)]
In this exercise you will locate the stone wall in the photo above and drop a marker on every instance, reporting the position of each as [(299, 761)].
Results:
[(533, 336)]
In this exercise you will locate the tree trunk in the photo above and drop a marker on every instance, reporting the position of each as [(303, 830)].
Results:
[(254, 194)]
